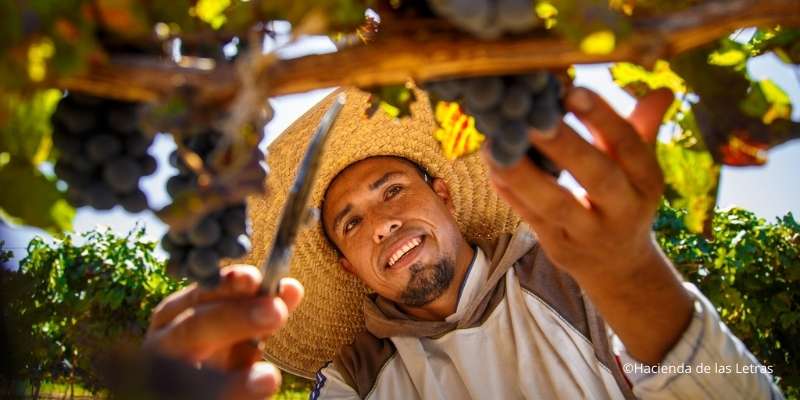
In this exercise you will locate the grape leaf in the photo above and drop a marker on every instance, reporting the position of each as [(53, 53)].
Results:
[(395, 100), (36, 200), (784, 41), (212, 11), (25, 125), (638, 81), (600, 42), (694, 176), (455, 130)]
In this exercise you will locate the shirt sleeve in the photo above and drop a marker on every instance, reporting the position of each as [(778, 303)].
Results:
[(707, 362), (329, 384)]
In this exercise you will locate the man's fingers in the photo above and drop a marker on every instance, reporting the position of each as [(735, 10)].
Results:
[(291, 291), (538, 192), (202, 330), (595, 171), (260, 381), (240, 355), (238, 281), (619, 138), (648, 115)]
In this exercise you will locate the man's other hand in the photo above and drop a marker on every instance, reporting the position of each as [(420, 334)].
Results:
[(611, 223), (216, 327), (604, 238)]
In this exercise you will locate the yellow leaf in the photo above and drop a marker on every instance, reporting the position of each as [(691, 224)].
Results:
[(547, 13), (780, 103), (727, 58), (212, 11), (456, 133), (600, 42), (38, 54)]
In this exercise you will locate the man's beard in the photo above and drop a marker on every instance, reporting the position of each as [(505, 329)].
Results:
[(427, 282)]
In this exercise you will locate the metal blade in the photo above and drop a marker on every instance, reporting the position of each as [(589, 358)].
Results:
[(295, 212)]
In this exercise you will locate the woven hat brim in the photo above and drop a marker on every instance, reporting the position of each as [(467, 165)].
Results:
[(331, 312)]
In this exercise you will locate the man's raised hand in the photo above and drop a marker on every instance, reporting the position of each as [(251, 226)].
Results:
[(603, 238), (215, 328)]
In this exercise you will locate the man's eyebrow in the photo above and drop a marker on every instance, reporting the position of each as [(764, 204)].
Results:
[(340, 215), (374, 185), (380, 181)]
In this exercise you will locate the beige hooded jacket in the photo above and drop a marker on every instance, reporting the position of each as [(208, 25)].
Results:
[(523, 329)]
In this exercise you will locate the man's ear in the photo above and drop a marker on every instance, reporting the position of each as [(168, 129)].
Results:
[(346, 265), (439, 187)]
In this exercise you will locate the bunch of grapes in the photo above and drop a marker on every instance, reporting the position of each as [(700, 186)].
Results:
[(505, 108), (196, 252), (102, 152), (487, 19)]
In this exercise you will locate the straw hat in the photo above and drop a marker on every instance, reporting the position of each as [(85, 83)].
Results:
[(331, 313)]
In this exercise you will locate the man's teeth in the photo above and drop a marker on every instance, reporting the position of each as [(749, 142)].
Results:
[(403, 250)]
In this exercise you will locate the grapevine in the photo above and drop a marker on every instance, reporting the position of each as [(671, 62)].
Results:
[(199, 75)]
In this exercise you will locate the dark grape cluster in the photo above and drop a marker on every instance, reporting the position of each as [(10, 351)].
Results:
[(505, 108), (102, 152), (196, 252), (487, 19)]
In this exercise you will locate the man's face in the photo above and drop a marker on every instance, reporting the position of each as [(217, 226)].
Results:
[(396, 232)]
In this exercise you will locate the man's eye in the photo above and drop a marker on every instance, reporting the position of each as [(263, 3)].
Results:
[(351, 224), (393, 191)]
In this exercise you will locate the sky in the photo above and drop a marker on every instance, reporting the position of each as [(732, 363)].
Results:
[(770, 191)]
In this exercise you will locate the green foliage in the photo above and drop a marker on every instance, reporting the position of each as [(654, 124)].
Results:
[(751, 272), (5, 255), (25, 143), (756, 112), (72, 304), (36, 200)]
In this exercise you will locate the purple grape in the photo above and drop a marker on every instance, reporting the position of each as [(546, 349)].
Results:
[(76, 118), (205, 233), (66, 143), (178, 184), (202, 263), (233, 247), (122, 174), (100, 197), (148, 164), (124, 120), (234, 220), (137, 145), (481, 94), (134, 202), (448, 90), (102, 147), (516, 102)]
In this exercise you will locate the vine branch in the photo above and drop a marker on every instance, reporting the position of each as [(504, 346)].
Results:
[(428, 54)]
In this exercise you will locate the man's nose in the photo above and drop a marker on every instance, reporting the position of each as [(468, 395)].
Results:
[(385, 228)]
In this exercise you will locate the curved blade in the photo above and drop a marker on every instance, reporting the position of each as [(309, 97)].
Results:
[(295, 212)]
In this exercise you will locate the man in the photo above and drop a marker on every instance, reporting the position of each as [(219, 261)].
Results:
[(454, 297)]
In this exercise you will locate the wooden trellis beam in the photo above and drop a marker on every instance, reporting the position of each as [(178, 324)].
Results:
[(395, 58)]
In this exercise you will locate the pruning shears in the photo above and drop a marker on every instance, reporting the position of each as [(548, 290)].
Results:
[(296, 211)]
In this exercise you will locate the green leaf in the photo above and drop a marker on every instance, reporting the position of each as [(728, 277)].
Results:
[(36, 201), (694, 176), (394, 100), (25, 125), (767, 101)]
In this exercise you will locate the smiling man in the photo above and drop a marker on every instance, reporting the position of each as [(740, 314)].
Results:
[(438, 279)]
